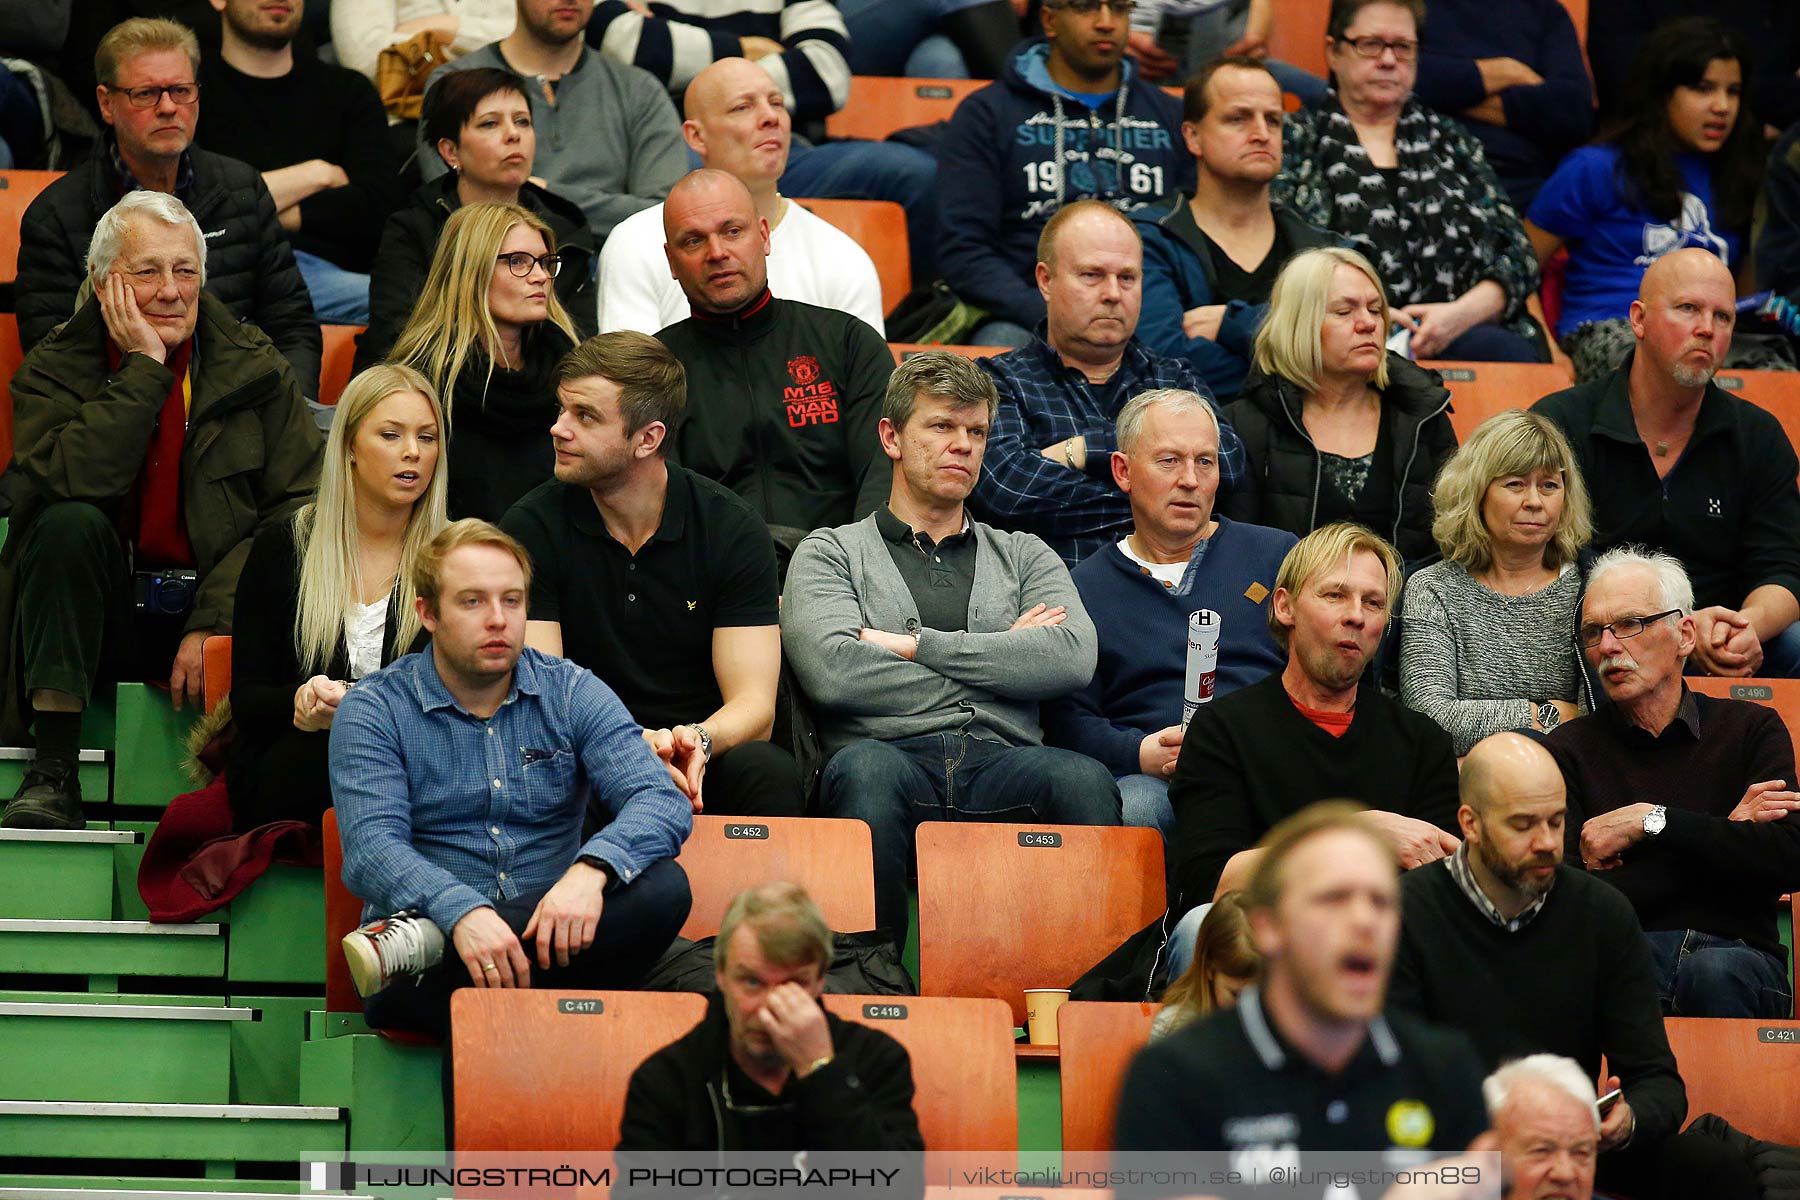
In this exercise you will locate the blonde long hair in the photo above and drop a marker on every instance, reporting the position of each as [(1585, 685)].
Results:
[(1289, 344), (452, 313), (325, 532)]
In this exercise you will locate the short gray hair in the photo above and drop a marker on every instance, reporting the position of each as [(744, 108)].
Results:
[(1130, 423), (941, 374), (1552, 1070), (790, 930), (1672, 584), (109, 230)]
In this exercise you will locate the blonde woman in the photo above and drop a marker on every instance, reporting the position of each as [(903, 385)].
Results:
[(488, 331), (1225, 962), (1487, 639), (326, 598), (1335, 427)]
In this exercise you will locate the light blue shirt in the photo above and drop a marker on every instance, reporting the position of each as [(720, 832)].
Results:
[(444, 812)]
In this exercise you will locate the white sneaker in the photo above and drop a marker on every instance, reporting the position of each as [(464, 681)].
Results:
[(385, 949)]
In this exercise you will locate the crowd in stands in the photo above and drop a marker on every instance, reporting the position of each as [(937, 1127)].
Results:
[(627, 513)]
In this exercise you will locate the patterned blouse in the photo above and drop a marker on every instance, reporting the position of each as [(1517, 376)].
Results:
[(1434, 228)]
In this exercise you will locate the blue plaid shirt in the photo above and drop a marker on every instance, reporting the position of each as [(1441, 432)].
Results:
[(444, 812), (1043, 402)]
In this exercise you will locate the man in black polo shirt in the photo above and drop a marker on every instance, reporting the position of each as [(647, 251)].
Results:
[(659, 581), (1674, 462), (1307, 1061)]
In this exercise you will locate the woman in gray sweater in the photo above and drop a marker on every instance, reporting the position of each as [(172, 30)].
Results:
[(1487, 637)]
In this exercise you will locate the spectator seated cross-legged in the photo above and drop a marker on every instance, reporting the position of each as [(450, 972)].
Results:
[(1674, 462), (1334, 426), (1049, 468), (1069, 120), (738, 122), (1413, 191), (1682, 802), (488, 331), (1211, 256), (1140, 592), (1316, 730), (155, 436), (462, 775), (927, 640), (479, 122), (1527, 954), (1678, 167), (326, 599), (786, 394), (1487, 640), (318, 134), (150, 100), (658, 580)]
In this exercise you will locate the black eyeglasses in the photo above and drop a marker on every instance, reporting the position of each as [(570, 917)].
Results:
[(150, 96), (1372, 47), (1087, 8), (520, 263), (1624, 627)]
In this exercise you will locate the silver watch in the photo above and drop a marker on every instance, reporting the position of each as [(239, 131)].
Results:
[(705, 740), (1656, 820)]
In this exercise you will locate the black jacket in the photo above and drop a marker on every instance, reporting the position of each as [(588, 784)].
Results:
[(249, 264), (409, 242), (499, 446), (783, 400), (1281, 487), (861, 1100)]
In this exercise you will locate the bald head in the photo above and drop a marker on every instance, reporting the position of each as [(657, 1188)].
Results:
[(1506, 764), (1685, 268), (1683, 318), (717, 245), (1084, 221), (737, 121)]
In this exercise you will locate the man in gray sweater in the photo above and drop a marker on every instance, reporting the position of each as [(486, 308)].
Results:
[(926, 641)]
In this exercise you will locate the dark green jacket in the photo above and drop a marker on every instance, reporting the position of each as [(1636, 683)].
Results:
[(80, 432)]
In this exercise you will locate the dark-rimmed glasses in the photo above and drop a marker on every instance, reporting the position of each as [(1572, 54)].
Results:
[(1623, 628), (1087, 8), (1371, 47), (520, 263), (150, 95)]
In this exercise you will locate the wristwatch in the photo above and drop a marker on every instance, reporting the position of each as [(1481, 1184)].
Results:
[(1549, 716), (1656, 820), (705, 740)]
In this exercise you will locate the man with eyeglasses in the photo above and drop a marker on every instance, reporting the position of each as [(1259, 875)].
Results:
[(150, 102), (1675, 462), (1683, 802), (1069, 119)]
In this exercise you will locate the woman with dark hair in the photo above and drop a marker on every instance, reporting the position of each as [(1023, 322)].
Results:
[(479, 122), (1678, 167), (1412, 191)]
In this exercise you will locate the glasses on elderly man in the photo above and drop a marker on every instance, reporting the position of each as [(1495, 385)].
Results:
[(1624, 627), (1087, 8), (151, 95), (1371, 47), (520, 263)]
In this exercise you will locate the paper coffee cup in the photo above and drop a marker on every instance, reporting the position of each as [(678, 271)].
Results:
[(1040, 1014)]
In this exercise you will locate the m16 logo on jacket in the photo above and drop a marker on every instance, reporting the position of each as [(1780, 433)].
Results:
[(810, 400)]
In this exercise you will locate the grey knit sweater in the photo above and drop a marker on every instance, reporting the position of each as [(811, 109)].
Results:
[(986, 681), (1475, 661)]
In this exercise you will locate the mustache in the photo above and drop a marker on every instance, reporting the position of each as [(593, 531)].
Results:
[(1621, 660)]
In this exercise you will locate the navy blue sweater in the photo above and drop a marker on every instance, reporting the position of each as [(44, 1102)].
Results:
[(1136, 688), (1000, 176)]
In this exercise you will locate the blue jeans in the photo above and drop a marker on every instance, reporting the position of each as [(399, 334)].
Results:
[(1491, 343), (1700, 975), (892, 786), (858, 170), (899, 37), (1781, 655), (339, 297), (1144, 801), (997, 331), (1184, 940)]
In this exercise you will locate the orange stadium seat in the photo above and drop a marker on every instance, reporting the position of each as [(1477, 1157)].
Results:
[(17, 190), (830, 858), (1747, 1071), (1098, 1043), (1782, 695), (1003, 907), (905, 350), (1298, 36), (1777, 392), (880, 104), (965, 1083), (879, 227), (343, 911), (215, 669), (340, 352), (546, 1071), (11, 355), (1578, 13), (1478, 390)]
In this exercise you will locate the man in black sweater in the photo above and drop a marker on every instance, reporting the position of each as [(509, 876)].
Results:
[(1311, 732), (1528, 956), (1681, 802)]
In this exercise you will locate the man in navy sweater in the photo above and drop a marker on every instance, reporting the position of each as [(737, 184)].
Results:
[(1177, 559)]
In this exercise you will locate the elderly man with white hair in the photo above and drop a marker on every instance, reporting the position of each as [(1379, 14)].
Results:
[(1543, 1114), (155, 435), (1683, 802)]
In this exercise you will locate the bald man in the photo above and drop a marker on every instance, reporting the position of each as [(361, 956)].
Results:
[(1676, 463), (783, 396), (1528, 955), (738, 122)]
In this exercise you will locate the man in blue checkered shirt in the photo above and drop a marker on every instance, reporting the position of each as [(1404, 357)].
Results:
[(1048, 468), (461, 776)]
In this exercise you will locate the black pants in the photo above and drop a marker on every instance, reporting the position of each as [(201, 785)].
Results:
[(754, 779), (636, 925), (1684, 1167), (287, 780)]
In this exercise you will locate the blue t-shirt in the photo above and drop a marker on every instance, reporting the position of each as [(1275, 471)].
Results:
[(1612, 239)]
